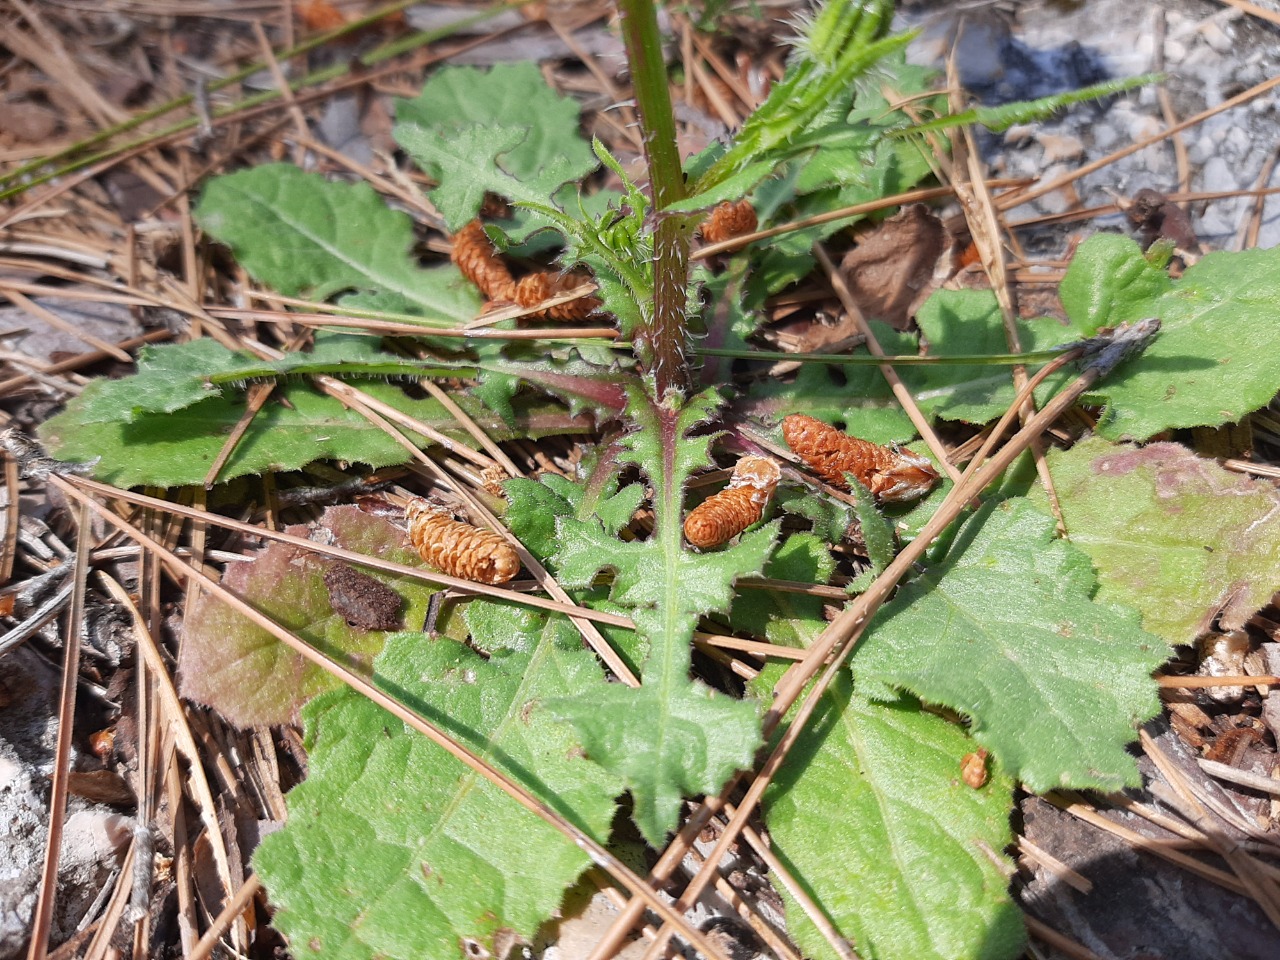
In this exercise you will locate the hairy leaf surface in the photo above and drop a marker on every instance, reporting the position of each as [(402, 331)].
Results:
[(1171, 534), (960, 322), (502, 130), (900, 853), (302, 234), (173, 449), (1005, 632), (673, 736), (394, 850), (174, 376), (1218, 353)]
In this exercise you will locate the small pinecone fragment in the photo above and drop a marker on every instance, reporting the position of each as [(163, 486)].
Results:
[(537, 287), (973, 769), (892, 474), (726, 514), (459, 549), (492, 477), (361, 600), (475, 257), (729, 219)]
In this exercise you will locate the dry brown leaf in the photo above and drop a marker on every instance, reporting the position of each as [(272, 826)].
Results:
[(892, 267)]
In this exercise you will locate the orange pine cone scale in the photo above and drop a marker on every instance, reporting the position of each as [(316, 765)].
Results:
[(729, 219), (537, 287), (726, 514), (893, 475), (459, 549), (476, 259), (973, 769)]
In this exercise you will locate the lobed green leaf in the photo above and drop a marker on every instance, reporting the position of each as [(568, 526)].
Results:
[(501, 130), (1052, 682), (395, 850)]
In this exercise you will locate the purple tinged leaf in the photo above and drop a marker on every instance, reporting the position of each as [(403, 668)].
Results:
[(247, 674)]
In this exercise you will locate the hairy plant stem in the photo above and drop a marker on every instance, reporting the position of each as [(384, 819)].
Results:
[(662, 345)]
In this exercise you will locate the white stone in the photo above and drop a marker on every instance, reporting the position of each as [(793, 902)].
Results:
[(1216, 37), (1217, 175)]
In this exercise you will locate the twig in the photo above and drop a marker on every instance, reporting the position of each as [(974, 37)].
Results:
[(1247, 236), (12, 514), (469, 424), (1166, 105), (1043, 932), (984, 225), (1107, 209), (1254, 781), (175, 720), (778, 870), (1189, 863), (258, 395), (55, 321), (871, 206), (344, 317), (1055, 866), (1195, 683), (183, 568), (286, 92), (116, 906), (1254, 10), (1257, 884), (235, 906)]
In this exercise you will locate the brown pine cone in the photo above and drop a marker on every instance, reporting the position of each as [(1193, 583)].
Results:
[(726, 514), (457, 548), (890, 473), (729, 219), (537, 287), (479, 262)]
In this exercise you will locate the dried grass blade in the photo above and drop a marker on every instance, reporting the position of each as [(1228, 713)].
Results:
[(984, 225), (1256, 883), (258, 395), (43, 916), (9, 537), (233, 909), (182, 568), (871, 206), (175, 721), (815, 913), (468, 423), (55, 321)]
